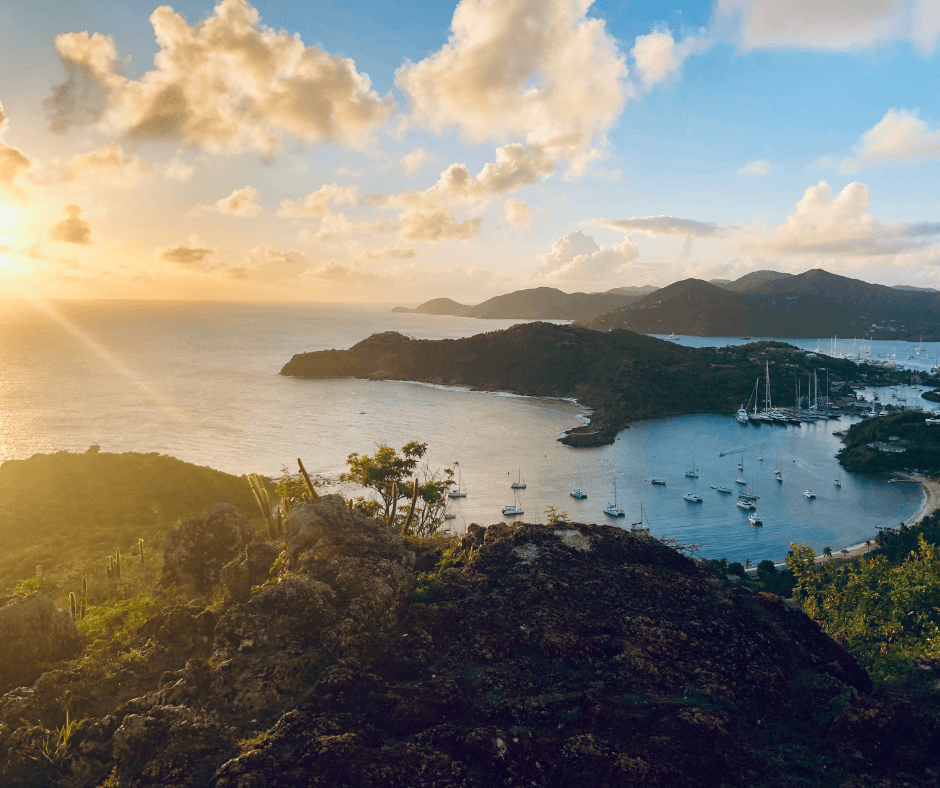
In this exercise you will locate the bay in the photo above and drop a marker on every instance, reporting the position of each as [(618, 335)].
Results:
[(199, 381)]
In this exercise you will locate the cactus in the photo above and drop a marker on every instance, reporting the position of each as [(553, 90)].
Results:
[(140, 548), (82, 613), (313, 493), (260, 493), (72, 608), (117, 562), (411, 510), (124, 592), (84, 588), (391, 517)]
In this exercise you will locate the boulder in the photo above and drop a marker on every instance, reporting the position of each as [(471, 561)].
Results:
[(201, 546), (33, 633), (251, 568)]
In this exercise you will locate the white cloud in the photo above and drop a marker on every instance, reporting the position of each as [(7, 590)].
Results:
[(576, 259), (537, 69), (659, 58), (73, 229), (178, 170), (108, 162), (227, 84), (756, 167), (810, 24), (397, 250), (414, 161), (318, 203), (898, 136), (264, 263), (332, 270), (662, 225), (838, 227), (517, 212), (241, 202), (13, 166)]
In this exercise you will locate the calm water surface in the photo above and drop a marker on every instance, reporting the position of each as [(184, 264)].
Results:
[(200, 382)]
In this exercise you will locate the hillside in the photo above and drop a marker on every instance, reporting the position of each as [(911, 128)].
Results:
[(622, 375), (909, 432), (540, 303), (812, 304), (68, 512)]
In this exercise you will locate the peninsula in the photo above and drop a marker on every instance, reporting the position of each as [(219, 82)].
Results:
[(622, 376)]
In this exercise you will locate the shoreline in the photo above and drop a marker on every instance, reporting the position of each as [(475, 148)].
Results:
[(930, 504)]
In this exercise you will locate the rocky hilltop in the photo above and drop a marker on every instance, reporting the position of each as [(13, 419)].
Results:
[(623, 376), (529, 655)]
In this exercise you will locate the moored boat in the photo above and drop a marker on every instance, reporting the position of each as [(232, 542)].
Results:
[(579, 494), (809, 494), (692, 498)]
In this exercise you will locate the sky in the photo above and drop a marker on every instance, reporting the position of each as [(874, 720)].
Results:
[(411, 149)]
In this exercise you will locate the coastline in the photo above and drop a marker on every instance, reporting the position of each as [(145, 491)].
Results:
[(930, 504)]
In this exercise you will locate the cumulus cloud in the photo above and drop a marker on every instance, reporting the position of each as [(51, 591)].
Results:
[(541, 70), (808, 24), (756, 167), (898, 136), (662, 225), (577, 258), (414, 161), (659, 58), (839, 227), (191, 257), (227, 84), (517, 212), (73, 229), (429, 223), (265, 263), (109, 162), (332, 270), (13, 166), (241, 202), (318, 203)]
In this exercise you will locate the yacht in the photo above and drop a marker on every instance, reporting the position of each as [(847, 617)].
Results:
[(809, 494), (672, 336), (612, 509), (741, 415), (692, 498), (459, 492), (754, 519), (519, 484), (514, 507), (579, 494), (745, 504), (722, 489), (640, 528), (739, 480), (778, 476), (692, 473), (837, 483), (658, 482)]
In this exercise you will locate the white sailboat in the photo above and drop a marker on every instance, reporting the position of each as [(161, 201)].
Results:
[(640, 528), (612, 509), (692, 473), (519, 484), (459, 492), (513, 508)]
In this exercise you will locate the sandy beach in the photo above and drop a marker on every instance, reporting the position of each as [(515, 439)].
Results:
[(931, 503)]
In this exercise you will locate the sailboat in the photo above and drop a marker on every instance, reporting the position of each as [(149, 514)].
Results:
[(514, 507), (612, 509), (692, 473), (459, 492), (639, 528), (741, 464), (755, 519), (741, 413), (519, 484)]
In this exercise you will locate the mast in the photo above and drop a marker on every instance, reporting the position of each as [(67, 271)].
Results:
[(767, 385)]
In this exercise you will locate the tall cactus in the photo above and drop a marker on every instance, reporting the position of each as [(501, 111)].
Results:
[(140, 548), (117, 562), (260, 493), (84, 588), (72, 609), (314, 497), (82, 614), (391, 517), (411, 511)]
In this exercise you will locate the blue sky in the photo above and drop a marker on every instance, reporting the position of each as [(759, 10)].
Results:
[(400, 151)]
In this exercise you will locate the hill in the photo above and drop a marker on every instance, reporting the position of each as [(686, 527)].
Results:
[(901, 441), (539, 303), (812, 304), (623, 376), (68, 512), (522, 654)]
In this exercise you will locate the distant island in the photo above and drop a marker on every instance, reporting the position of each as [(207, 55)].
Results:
[(623, 376), (763, 303), (539, 303)]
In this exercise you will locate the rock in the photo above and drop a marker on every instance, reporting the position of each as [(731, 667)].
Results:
[(33, 634), (201, 546), (251, 568)]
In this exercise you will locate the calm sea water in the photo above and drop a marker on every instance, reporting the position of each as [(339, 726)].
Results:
[(200, 382)]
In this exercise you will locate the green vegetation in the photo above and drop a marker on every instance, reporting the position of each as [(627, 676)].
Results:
[(886, 614), (920, 441), (389, 473), (896, 544), (69, 513)]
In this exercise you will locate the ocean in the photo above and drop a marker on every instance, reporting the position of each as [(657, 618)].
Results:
[(199, 381)]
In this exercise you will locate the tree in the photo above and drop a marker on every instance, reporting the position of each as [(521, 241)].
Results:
[(392, 476), (556, 515), (827, 551)]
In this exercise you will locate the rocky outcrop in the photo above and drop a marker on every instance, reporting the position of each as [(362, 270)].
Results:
[(545, 656), (201, 546), (33, 634), (251, 568)]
